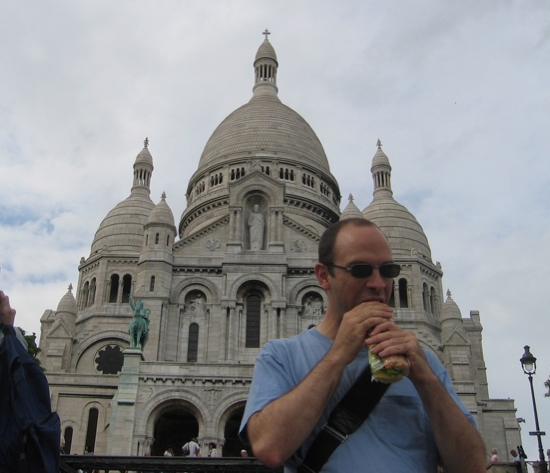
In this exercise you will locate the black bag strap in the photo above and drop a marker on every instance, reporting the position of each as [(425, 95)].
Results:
[(345, 418)]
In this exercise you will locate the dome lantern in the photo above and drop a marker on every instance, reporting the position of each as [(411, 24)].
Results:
[(143, 169), (265, 68)]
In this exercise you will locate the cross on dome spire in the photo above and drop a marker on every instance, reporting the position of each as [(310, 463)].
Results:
[(70, 288), (350, 198), (163, 196), (146, 142), (449, 293), (379, 144), (266, 33)]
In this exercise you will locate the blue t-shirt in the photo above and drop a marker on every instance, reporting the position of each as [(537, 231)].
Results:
[(397, 436)]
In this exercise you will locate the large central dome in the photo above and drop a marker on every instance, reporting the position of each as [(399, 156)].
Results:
[(265, 124), (263, 136)]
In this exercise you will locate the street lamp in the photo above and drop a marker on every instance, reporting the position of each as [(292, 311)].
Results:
[(529, 366)]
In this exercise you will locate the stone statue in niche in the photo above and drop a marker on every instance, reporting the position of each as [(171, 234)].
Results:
[(197, 306), (313, 307), (256, 225)]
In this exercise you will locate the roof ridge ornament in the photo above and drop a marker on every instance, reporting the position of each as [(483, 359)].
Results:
[(266, 33)]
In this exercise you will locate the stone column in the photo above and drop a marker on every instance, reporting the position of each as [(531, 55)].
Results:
[(120, 289), (239, 235), (234, 245), (107, 292), (272, 226), (231, 335), (275, 329), (279, 225), (282, 321), (396, 299), (123, 406), (275, 244)]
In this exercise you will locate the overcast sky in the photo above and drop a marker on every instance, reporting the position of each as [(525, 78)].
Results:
[(457, 91)]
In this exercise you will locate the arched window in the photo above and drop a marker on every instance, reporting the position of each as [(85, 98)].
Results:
[(68, 437), (167, 240), (152, 284), (91, 297), (146, 239), (92, 429), (113, 295), (403, 300), (157, 239), (126, 288), (192, 348), (253, 308), (432, 301)]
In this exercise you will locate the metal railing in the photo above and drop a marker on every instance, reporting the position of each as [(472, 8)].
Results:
[(107, 464)]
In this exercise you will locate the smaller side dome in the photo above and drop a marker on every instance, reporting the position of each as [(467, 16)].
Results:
[(450, 309), (122, 229), (351, 210), (162, 213), (68, 302)]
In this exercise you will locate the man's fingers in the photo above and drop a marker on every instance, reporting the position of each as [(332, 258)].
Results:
[(7, 314), (390, 340)]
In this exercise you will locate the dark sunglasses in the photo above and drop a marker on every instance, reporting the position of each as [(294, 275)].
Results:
[(364, 270)]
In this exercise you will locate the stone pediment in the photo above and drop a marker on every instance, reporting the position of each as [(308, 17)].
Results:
[(257, 181), (302, 232), (203, 233), (59, 330), (456, 338)]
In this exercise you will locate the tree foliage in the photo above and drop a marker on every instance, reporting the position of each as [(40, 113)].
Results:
[(32, 347)]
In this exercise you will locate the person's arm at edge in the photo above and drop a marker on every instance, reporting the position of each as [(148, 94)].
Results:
[(460, 445), (279, 429)]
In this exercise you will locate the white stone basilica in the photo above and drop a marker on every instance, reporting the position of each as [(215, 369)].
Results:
[(236, 272)]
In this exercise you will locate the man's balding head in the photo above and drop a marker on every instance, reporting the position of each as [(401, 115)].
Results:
[(328, 239)]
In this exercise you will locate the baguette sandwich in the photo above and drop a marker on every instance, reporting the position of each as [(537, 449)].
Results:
[(389, 369)]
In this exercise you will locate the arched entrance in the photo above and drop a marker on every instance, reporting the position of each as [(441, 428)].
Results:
[(233, 444), (173, 429)]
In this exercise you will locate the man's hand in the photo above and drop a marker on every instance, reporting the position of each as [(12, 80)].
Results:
[(7, 314), (355, 327), (393, 340)]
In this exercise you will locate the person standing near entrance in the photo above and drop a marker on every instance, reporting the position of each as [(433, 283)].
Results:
[(192, 448)]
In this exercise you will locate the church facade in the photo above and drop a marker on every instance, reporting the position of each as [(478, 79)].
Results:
[(235, 272)]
